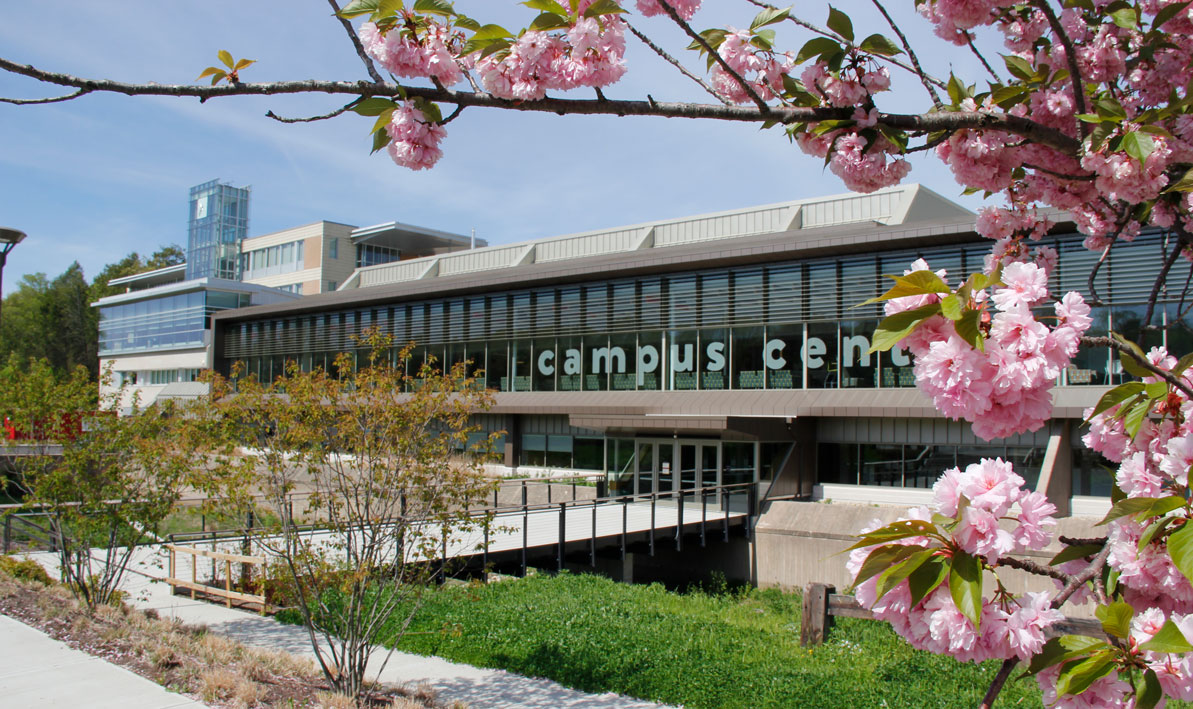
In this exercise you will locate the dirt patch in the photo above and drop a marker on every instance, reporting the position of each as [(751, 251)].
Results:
[(203, 665)]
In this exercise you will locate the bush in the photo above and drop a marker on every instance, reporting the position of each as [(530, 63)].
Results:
[(25, 569)]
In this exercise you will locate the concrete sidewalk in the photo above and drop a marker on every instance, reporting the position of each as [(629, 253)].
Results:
[(39, 671), (477, 687)]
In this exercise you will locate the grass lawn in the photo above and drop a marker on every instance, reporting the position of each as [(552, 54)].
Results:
[(694, 649)]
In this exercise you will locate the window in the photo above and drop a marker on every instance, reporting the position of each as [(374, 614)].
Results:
[(333, 248)]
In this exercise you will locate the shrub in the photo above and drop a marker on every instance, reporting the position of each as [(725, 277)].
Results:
[(25, 569)]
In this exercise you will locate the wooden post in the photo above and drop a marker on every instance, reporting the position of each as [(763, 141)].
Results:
[(228, 582), (194, 574), (173, 554), (816, 618)]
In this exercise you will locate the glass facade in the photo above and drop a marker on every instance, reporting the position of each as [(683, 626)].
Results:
[(218, 222), (167, 322), (785, 325), (273, 260), (373, 255)]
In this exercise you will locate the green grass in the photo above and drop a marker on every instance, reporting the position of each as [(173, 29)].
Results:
[(694, 649)]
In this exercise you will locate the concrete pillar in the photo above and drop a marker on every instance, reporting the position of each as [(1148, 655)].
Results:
[(1056, 472)]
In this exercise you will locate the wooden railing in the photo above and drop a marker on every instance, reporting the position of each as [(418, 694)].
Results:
[(821, 604), (217, 556)]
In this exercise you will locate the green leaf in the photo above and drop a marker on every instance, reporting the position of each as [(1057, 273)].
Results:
[(1019, 67), (958, 92), (816, 47), (1138, 145), (882, 559), (878, 44), (242, 63), (434, 7), (895, 327), (547, 6), (1099, 135), (1076, 676), (209, 71), (218, 76), (226, 57), (1116, 618), (356, 8), (548, 21), (380, 140), (373, 106), (1110, 109), (1169, 639), (925, 579), (965, 585), (1062, 649), (1163, 506), (467, 23), (969, 329), (1150, 694), (1116, 396), (893, 532), (951, 307), (603, 7), (1182, 364), (896, 574), (1134, 417), (1166, 14), (1153, 530), (1129, 506), (490, 32), (1180, 549), (769, 16), (1072, 553), (915, 283), (1009, 96), (840, 23), (1125, 18)]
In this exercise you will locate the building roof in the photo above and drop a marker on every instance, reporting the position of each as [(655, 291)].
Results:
[(195, 284), (410, 238), (900, 205), (150, 279)]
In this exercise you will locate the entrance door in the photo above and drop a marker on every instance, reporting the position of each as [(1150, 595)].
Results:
[(655, 463)]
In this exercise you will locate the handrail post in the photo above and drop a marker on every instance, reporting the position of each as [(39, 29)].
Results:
[(679, 526), (816, 618), (7, 532), (624, 520), (654, 495), (592, 552), (703, 513), (562, 530)]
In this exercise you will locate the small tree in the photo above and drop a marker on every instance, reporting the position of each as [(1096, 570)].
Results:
[(103, 482), (387, 463)]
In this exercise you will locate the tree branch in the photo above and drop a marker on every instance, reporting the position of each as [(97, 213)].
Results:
[(324, 117), (1032, 567), (697, 38), (927, 122), (675, 63), (1169, 262), (1141, 361), (1004, 672), (1071, 56), (973, 48), (55, 99), (915, 61), (360, 50)]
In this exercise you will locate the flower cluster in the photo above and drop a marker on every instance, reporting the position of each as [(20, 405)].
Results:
[(590, 53), (763, 70), (414, 141), (684, 8), (413, 53), (1003, 388), (976, 499)]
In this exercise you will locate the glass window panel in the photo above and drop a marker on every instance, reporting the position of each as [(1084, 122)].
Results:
[(589, 453), (714, 299), (649, 365), (522, 365), (596, 307), (881, 464), (625, 306), (683, 359), (681, 294), (497, 366), (499, 313), (1027, 461), (781, 356), (822, 291), (559, 451), (714, 359), (569, 363), (544, 312), (650, 304), (747, 297), (1092, 473), (436, 323), (624, 353), (859, 282), (858, 364), (784, 293), (820, 355), (837, 463), (737, 463), (545, 364), (571, 318), (748, 369)]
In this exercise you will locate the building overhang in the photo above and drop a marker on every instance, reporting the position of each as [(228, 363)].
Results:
[(410, 239)]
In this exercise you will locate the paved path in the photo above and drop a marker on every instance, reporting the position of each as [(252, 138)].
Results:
[(478, 688), (39, 671)]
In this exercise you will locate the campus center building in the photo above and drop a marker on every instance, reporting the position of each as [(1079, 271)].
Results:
[(718, 348)]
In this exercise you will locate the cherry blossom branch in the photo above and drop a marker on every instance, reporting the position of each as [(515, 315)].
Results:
[(1032, 567), (973, 48), (1144, 362), (1082, 541), (699, 39), (311, 119), (1076, 582), (1169, 262), (926, 122), (55, 99), (1071, 56), (675, 63), (825, 33), (915, 61), (360, 50), (1061, 175), (1000, 679)]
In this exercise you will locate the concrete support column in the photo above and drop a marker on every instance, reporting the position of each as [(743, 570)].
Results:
[(513, 443), (1056, 472)]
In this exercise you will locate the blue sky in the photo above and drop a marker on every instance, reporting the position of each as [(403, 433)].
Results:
[(92, 179)]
